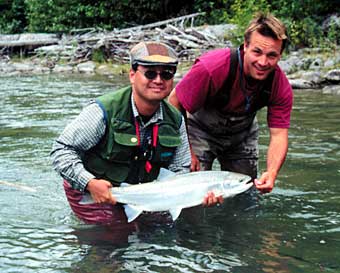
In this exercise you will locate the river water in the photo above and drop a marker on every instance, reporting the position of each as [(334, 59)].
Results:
[(296, 228)]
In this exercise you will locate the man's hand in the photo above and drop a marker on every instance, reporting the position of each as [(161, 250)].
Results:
[(210, 199), (100, 191), (195, 163), (266, 182), (277, 151)]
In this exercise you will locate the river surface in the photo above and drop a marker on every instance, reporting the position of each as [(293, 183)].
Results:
[(296, 228)]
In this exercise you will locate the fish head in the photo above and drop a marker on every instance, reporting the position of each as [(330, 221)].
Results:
[(235, 185)]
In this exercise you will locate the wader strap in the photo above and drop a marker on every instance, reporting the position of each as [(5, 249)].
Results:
[(267, 88), (222, 97)]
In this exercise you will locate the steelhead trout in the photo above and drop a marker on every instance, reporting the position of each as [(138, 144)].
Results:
[(172, 192)]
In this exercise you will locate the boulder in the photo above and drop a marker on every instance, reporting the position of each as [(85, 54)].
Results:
[(87, 67), (333, 76)]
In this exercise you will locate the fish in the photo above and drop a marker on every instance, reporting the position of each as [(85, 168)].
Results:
[(173, 192)]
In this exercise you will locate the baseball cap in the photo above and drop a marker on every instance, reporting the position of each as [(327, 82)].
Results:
[(153, 53)]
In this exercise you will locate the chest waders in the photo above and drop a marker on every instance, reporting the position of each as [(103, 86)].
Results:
[(212, 119)]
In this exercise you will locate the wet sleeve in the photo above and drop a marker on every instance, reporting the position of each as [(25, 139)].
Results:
[(83, 133)]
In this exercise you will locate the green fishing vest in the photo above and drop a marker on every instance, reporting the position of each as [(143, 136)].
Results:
[(117, 157)]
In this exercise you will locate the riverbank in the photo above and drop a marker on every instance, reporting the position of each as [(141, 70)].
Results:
[(309, 68), (106, 54)]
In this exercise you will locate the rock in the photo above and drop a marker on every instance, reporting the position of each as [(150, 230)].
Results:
[(316, 64), (63, 68), (315, 77), (301, 84), (218, 31), (104, 70), (329, 63), (331, 89), (41, 70), (87, 67), (333, 76), (23, 67), (289, 65), (332, 22), (7, 68)]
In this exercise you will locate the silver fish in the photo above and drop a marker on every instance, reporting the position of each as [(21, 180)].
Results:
[(172, 192)]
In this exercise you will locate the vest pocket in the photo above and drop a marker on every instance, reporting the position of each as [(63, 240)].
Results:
[(169, 136), (122, 147), (102, 169)]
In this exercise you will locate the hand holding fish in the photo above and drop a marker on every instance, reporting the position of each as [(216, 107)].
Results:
[(195, 163), (265, 183), (210, 199), (172, 192), (100, 191)]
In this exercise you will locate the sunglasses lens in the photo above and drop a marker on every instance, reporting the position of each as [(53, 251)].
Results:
[(150, 74), (165, 75)]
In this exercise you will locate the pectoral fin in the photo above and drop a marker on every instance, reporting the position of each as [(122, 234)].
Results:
[(165, 174), (175, 212), (132, 212)]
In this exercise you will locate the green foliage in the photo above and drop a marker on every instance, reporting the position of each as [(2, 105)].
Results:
[(302, 18), (12, 19), (98, 56), (333, 34), (217, 11), (64, 15), (242, 13), (311, 33), (243, 10)]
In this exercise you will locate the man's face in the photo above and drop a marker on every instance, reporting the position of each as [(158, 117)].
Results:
[(261, 55), (151, 90)]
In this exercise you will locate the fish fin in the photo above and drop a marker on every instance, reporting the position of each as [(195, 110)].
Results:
[(164, 174), (86, 199), (175, 212), (132, 212)]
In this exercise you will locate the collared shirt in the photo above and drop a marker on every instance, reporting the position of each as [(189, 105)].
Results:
[(207, 77), (86, 131)]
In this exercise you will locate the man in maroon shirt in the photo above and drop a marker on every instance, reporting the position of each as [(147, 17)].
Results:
[(222, 93)]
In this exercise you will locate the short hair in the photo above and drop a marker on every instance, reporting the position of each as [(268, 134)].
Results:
[(267, 25)]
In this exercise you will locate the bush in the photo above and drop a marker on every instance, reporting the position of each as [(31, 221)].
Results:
[(12, 19), (64, 15)]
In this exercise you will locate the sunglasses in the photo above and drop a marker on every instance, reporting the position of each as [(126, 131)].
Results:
[(152, 74)]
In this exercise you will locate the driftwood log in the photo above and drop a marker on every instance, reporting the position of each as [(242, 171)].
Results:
[(81, 44)]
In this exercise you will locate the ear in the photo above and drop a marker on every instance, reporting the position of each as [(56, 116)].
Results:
[(132, 75), (245, 45)]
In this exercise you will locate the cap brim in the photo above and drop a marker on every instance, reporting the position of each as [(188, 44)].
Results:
[(148, 63), (157, 60)]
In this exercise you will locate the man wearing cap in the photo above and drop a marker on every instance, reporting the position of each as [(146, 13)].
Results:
[(123, 136)]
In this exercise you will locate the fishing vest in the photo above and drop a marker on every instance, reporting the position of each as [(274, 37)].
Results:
[(213, 119), (118, 157)]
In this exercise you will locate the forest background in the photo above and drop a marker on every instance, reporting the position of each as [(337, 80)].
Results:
[(305, 19)]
